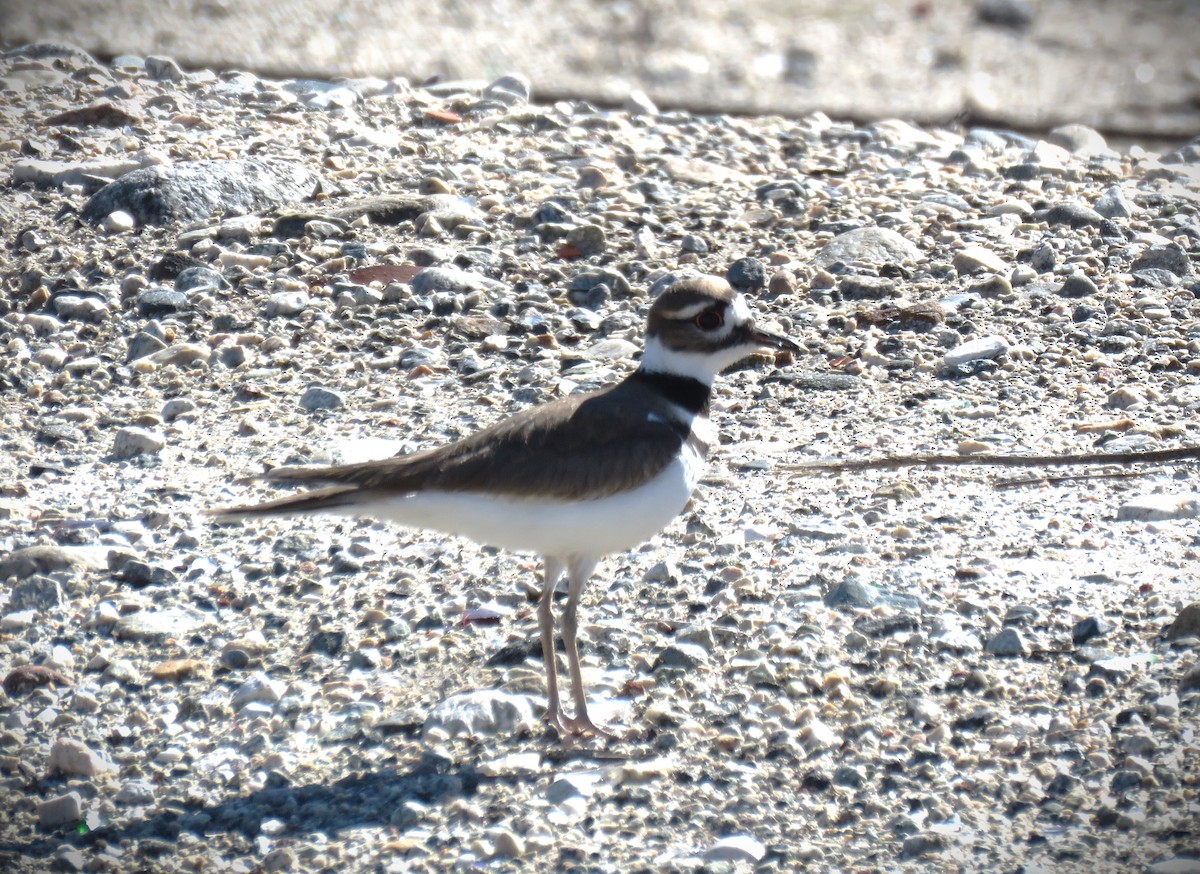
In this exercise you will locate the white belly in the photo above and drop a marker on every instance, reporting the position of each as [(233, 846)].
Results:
[(550, 527)]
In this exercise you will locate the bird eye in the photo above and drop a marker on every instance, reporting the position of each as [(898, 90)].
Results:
[(709, 320)]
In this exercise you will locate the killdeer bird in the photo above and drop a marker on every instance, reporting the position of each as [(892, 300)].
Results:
[(574, 479)]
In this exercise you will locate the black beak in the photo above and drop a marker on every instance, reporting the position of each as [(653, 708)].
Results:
[(769, 341)]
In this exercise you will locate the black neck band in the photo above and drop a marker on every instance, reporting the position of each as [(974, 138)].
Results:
[(683, 391)]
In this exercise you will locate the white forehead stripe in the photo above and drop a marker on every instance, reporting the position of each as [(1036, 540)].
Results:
[(741, 312), (690, 311)]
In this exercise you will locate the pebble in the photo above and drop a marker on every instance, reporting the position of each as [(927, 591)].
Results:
[(1007, 642), (1186, 624), (286, 303), (1078, 285), (1072, 214), (143, 344), (736, 848), (72, 757), (163, 69), (480, 713), (318, 397), (118, 221), (131, 441), (974, 259), (1166, 257), (1160, 507), (870, 245), (983, 348), (157, 625), (60, 810), (259, 689), (1113, 203)]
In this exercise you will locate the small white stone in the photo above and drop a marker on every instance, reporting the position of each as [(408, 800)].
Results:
[(133, 441), (1157, 508), (119, 222), (487, 711), (69, 756), (259, 688), (286, 303), (60, 810), (974, 259), (989, 347), (736, 848)]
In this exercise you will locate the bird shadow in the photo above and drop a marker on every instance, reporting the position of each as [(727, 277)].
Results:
[(369, 799)]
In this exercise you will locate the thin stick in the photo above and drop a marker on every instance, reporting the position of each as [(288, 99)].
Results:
[(1017, 482), (895, 462)]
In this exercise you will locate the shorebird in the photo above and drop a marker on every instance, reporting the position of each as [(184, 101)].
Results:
[(572, 480)]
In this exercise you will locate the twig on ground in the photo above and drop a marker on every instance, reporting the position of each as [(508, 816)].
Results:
[(895, 462)]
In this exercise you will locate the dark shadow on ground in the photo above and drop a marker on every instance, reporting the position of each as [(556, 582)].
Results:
[(374, 798)]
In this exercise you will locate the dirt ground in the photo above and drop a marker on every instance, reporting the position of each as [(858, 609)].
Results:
[(1130, 70)]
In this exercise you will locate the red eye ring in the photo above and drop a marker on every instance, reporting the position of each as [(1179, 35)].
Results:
[(709, 320)]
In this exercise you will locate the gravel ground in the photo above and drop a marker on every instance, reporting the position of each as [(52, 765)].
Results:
[(935, 669)]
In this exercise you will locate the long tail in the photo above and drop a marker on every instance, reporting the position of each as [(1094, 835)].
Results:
[(324, 500)]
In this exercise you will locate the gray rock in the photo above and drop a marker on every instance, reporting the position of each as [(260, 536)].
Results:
[(1112, 203), (177, 408), (73, 757), (195, 190), (736, 848), (286, 303), (1189, 153), (1089, 627), (1170, 258), (433, 280), (154, 625), (199, 277), (1078, 139), (79, 308), (513, 88), (870, 245), (1186, 624), (60, 810), (143, 344), (30, 560), (1008, 642), (982, 348), (681, 657), (132, 441), (259, 689), (156, 301), (487, 711), (1078, 285), (1176, 865), (38, 592), (163, 69), (318, 397), (858, 287), (1153, 508), (589, 279), (852, 592), (747, 275), (1075, 215), (1014, 14)]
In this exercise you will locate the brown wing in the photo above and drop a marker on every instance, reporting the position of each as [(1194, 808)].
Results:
[(579, 447)]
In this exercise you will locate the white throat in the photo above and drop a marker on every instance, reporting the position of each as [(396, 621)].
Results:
[(701, 366)]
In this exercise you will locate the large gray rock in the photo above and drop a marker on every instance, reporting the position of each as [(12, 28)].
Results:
[(196, 189), (867, 246)]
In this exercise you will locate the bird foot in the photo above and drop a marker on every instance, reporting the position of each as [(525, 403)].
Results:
[(579, 725)]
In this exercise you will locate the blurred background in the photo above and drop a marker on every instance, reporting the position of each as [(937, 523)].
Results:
[(1129, 69)]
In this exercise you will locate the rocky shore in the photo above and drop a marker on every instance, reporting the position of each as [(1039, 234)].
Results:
[(206, 274)]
